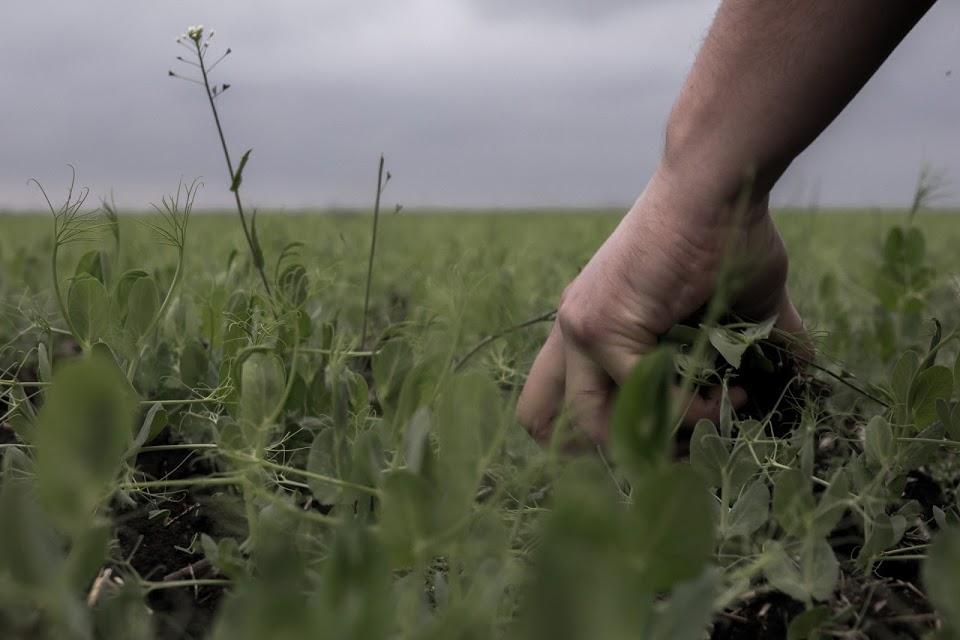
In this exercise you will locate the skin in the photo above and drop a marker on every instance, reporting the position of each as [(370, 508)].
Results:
[(770, 76)]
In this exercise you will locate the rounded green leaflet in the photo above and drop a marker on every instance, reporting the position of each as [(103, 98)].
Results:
[(408, 516), (85, 428), (930, 385), (941, 575), (391, 365), (879, 444), (804, 571), (902, 375), (642, 416), (708, 454), (193, 364), (88, 306), (322, 460), (750, 512), (94, 264), (670, 532), (793, 503), (143, 300), (262, 385)]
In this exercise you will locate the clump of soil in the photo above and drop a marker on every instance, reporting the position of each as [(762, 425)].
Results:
[(763, 616), (158, 537)]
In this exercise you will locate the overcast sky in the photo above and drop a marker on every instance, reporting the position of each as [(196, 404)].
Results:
[(474, 102)]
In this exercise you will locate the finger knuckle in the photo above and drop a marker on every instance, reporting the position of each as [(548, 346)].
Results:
[(536, 421), (580, 325)]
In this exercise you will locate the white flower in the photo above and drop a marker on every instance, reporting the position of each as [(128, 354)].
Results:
[(194, 32)]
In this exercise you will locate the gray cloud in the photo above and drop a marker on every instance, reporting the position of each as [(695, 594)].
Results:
[(517, 110), (577, 10)]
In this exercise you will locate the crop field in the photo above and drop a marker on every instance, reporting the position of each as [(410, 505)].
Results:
[(187, 455)]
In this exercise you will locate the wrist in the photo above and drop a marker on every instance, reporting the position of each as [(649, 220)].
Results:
[(697, 200)]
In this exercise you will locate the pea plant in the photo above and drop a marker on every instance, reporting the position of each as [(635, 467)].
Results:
[(222, 452)]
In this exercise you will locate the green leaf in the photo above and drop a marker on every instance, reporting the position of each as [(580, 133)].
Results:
[(642, 416), (931, 356), (358, 390), (416, 441), (143, 301), (708, 454), (750, 512), (322, 460), (688, 612), (832, 505), (262, 381), (85, 428), (741, 467), (733, 344), (87, 555), (812, 573), (356, 593), (914, 248), (821, 570), (89, 308), (30, 553), (407, 516), (956, 372), (916, 454), (255, 248), (391, 365), (729, 343), (879, 444), (91, 264), (225, 555), (793, 503), (193, 364), (238, 174), (881, 534), (806, 626), (667, 501), (585, 548), (941, 575), (122, 289), (930, 385), (154, 420), (759, 331), (44, 369), (949, 415), (901, 378), (468, 417)]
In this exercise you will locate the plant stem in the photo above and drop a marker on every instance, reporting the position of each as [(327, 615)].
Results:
[(58, 294), (23, 383), (226, 155), (373, 249), (543, 317), (306, 474), (175, 447), (334, 352), (182, 482), (176, 584)]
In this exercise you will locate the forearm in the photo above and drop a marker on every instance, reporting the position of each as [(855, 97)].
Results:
[(771, 75)]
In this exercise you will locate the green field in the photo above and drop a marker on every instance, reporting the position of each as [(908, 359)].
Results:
[(242, 466)]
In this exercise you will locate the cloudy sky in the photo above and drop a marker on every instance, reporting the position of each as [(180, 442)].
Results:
[(474, 102)]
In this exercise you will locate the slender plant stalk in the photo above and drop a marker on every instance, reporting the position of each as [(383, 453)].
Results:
[(373, 249), (257, 259), (543, 317), (177, 584)]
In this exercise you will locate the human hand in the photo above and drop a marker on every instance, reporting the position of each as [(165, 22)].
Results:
[(659, 267)]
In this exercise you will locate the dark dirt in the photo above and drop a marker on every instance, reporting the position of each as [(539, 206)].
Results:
[(152, 544), (763, 617)]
